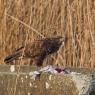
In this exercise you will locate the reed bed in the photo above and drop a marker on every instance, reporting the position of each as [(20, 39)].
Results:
[(22, 21)]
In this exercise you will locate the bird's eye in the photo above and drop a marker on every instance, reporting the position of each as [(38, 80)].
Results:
[(49, 50)]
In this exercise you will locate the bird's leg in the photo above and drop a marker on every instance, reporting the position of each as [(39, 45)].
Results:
[(31, 62)]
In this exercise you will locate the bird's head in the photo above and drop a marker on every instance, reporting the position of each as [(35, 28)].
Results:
[(59, 41), (54, 44)]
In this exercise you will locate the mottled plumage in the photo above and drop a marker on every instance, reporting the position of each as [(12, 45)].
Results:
[(37, 50)]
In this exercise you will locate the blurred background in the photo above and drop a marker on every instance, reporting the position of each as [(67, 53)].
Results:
[(23, 21)]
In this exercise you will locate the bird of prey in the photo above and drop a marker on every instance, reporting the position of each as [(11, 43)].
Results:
[(37, 50)]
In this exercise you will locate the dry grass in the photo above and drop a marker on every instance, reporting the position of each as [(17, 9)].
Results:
[(22, 21)]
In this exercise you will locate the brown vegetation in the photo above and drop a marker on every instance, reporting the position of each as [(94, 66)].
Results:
[(22, 21)]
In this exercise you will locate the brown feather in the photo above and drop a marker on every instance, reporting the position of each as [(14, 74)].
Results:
[(37, 50)]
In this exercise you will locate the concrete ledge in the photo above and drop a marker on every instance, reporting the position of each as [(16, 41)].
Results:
[(25, 85), (12, 83)]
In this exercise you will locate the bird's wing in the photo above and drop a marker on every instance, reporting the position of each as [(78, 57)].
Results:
[(34, 49)]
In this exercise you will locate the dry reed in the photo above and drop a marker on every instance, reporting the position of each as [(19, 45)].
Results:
[(22, 21)]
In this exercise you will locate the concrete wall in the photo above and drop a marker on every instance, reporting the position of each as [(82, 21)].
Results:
[(14, 83)]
